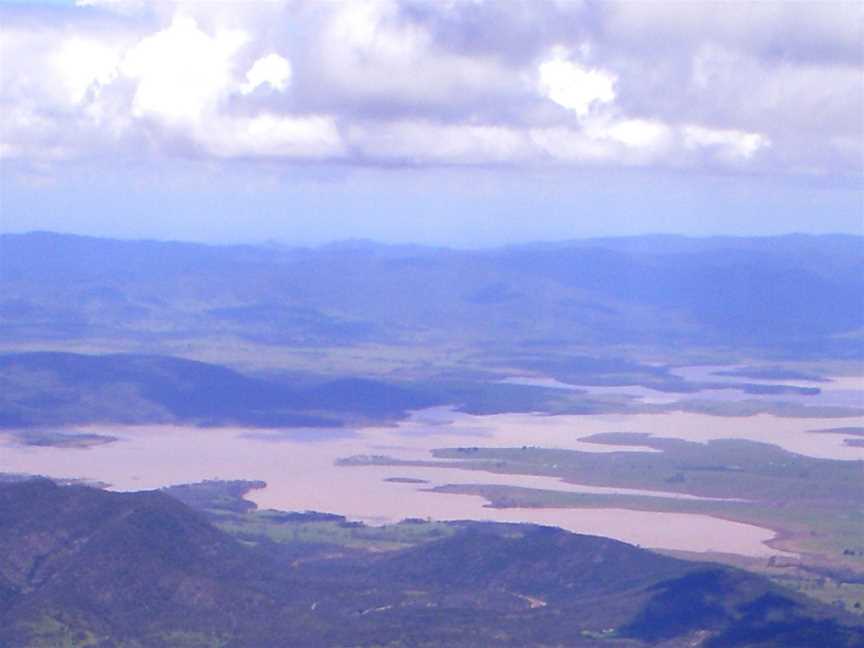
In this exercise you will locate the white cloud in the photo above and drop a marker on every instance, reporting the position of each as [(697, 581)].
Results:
[(273, 70), (729, 144), (636, 133), (28, 134), (382, 81), (369, 56), (816, 29), (571, 145), (86, 65), (182, 72), (312, 137), (604, 140), (573, 86), (417, 141)]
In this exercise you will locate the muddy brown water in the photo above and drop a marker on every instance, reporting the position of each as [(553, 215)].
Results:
[(300, 466)]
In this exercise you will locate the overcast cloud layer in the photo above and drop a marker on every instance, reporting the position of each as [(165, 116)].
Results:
[(772, 89)]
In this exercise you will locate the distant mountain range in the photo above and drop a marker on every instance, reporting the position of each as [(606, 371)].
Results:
[(788, 297), (84, 567)]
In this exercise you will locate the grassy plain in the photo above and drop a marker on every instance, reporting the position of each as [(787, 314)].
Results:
[(813, 505)]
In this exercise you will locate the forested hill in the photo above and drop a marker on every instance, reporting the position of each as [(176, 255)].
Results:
[(93, 568), (792, 296)]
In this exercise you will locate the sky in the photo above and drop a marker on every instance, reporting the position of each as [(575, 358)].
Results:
[(468, 123)]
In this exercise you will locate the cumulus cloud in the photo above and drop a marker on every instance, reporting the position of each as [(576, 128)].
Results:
[(272, 70), (768, 86), (268, 136), (85, 66), (181, 71), (574, 86), (373, 58), (729, 143), (639, 133)]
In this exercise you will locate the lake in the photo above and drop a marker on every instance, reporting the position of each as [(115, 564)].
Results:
[(301, 474)]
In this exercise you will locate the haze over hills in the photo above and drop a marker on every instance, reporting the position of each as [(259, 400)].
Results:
[(791, 297), (361, 331), (339, 350)]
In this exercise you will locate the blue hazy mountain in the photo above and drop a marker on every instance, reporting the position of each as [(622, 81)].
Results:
[(792, 296)]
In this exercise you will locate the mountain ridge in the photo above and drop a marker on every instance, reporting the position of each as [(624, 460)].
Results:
[(96, 568)]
